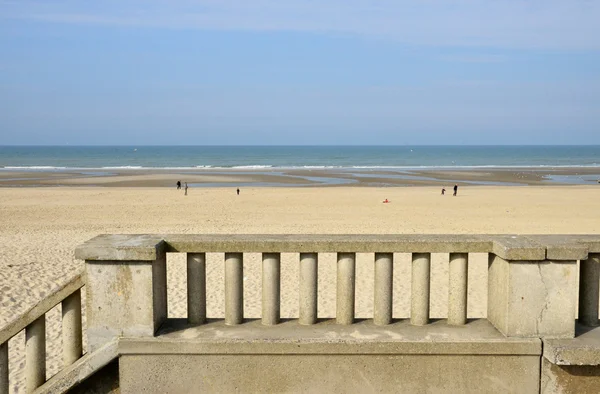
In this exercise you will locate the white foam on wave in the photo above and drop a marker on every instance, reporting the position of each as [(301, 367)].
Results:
[(34, 168), (123, 168), (250, 167)]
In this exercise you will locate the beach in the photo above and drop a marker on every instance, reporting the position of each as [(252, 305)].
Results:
[(41, 226)]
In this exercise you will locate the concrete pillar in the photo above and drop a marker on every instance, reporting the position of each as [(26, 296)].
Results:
[(384, 274), (71, 328), (196, 287), (532, 299), (234, 288), (35, 354), (589, 286), (271, 288), (308, 288), (346, 272), (457, 288), (4, 368), (125, 298), (419, 311)]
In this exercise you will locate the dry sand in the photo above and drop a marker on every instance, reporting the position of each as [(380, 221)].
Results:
[(40, 227)]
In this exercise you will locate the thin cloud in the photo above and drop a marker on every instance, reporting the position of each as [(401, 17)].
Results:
[(551, 24)]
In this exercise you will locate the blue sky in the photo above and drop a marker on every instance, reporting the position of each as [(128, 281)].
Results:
[(300, 72)]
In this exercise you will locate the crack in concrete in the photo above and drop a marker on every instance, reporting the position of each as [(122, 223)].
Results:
[(545, 304)]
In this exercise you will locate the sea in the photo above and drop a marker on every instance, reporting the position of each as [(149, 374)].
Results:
[(56, 158)]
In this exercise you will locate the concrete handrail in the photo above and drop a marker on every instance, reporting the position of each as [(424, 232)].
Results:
[(34, 323), (509, 247)]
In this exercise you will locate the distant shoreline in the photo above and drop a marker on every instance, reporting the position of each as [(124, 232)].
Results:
[(300, 177)]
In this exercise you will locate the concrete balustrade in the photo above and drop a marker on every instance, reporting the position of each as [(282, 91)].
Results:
[(383, 288), (346, 272), (589, 290), (234, 288), (35, 354), (33, 322), (421, 266), (196, 287), (531, 279), (271, 288), (308, 288), (4, 368), (532, 296), (71, 328), (457, 288)]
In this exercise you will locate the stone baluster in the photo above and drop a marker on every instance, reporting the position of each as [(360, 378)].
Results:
[(383, 288), (35, 354), (589, 286), (308, 288), (419, 312), (234, 288), (457, 288), (4, 368), (71, 328), (346, 271), (271, 278), (196, 287)]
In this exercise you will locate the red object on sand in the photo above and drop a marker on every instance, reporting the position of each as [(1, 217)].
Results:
[(385, 201)]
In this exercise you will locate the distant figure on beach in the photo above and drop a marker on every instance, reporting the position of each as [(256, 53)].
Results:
[(455, 190), (178, 185), (443, 191), (385, 201), (186, 187), (238, 191)]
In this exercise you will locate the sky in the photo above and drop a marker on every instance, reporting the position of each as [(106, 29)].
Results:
[(299, 72)]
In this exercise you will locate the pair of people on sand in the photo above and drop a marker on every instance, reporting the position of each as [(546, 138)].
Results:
[(455, 190), (185, 187)]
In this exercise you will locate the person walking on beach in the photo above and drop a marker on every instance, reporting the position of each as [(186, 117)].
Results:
[(186, 187), (443, 190), (455, 190), (238, 191), (178, 185)]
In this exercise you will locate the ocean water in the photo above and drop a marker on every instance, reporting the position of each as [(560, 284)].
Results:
[(259, 157)]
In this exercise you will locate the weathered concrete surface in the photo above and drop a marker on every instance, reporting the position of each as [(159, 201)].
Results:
[(270, 243), (120, 247), (327, 357), (517, 247), (532, 299), (561, 247), (584, 349), (569, 379), (82, 369), (331, 373), (124, 298), (176, 336)]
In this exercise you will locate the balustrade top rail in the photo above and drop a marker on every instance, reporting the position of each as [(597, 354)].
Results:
[(510, 247)]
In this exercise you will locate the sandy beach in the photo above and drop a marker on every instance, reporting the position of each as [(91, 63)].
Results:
[(41, 226)]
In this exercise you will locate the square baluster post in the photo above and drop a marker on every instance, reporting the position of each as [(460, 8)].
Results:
[(126, 288)]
